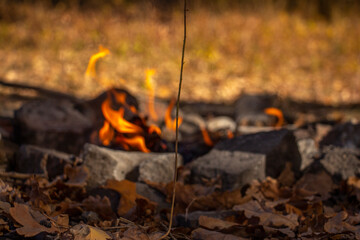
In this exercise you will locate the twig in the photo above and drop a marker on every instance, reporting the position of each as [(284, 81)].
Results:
[(171, 236), (18, 175), (177, 130)]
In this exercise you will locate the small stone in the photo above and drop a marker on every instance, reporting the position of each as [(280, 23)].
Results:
[(249, 110), (242, 159), (105, 163), (221, 123), (344, 135), (158, 168), (33, 159), (341, 162)]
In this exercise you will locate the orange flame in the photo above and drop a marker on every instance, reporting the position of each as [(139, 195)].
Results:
[(121, 98), (169, 122), (128, 135), (90, 71), (116, 119), (106, 134), (277, 113), (154, 129), (206, 137), (137, 142), (230, 134), (149, 83)]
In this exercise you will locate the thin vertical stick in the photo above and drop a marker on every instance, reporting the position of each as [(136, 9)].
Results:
[(177, 129)]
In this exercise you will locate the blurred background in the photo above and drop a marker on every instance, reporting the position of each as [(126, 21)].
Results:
[(308, 50)]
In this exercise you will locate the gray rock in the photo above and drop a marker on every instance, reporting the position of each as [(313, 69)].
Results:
[(105, 163), (221, 123), (249, 110), (33, 159), (53, 124), (240, 160), (252, 129), (344, 135), (308, 151), (341, 162), (158, 167), (153, 195)]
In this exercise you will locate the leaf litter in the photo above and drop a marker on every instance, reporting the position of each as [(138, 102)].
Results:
[(273, 208)]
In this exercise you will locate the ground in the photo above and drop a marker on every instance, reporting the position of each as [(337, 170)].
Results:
[(227, 52)]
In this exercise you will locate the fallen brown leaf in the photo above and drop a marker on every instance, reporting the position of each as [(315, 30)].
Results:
[(203, 234), (324, 183), (76, 175), (337, 224), (267, 218), (354, 182), (215, 223), (136, 233), (86, 232), (101, 206), (127, 189), (21, 214), (128, 202)]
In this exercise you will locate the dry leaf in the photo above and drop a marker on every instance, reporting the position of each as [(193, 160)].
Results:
[(337, 224), (324, 183), (86, 232), (215, 223), (5, 207), (127, 189), (355, 183), (254, 209), (76, 175), (101, 206), (21, 214), (136, 233), (203, 234), (270, 188)]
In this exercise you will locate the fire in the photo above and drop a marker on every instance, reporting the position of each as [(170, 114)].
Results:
[(90, 71), (137, 142), (206, 137), (117, 120), (230, 134), (169, 122), (106, 134), (277, 113), (149, 83), (117, 130)]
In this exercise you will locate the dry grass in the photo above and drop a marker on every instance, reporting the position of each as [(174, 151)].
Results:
[(227, 52)]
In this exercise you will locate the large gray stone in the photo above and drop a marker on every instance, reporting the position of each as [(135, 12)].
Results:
[(341, 162), (33, 159), (53, 124), (240, 160), (105, 163)]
